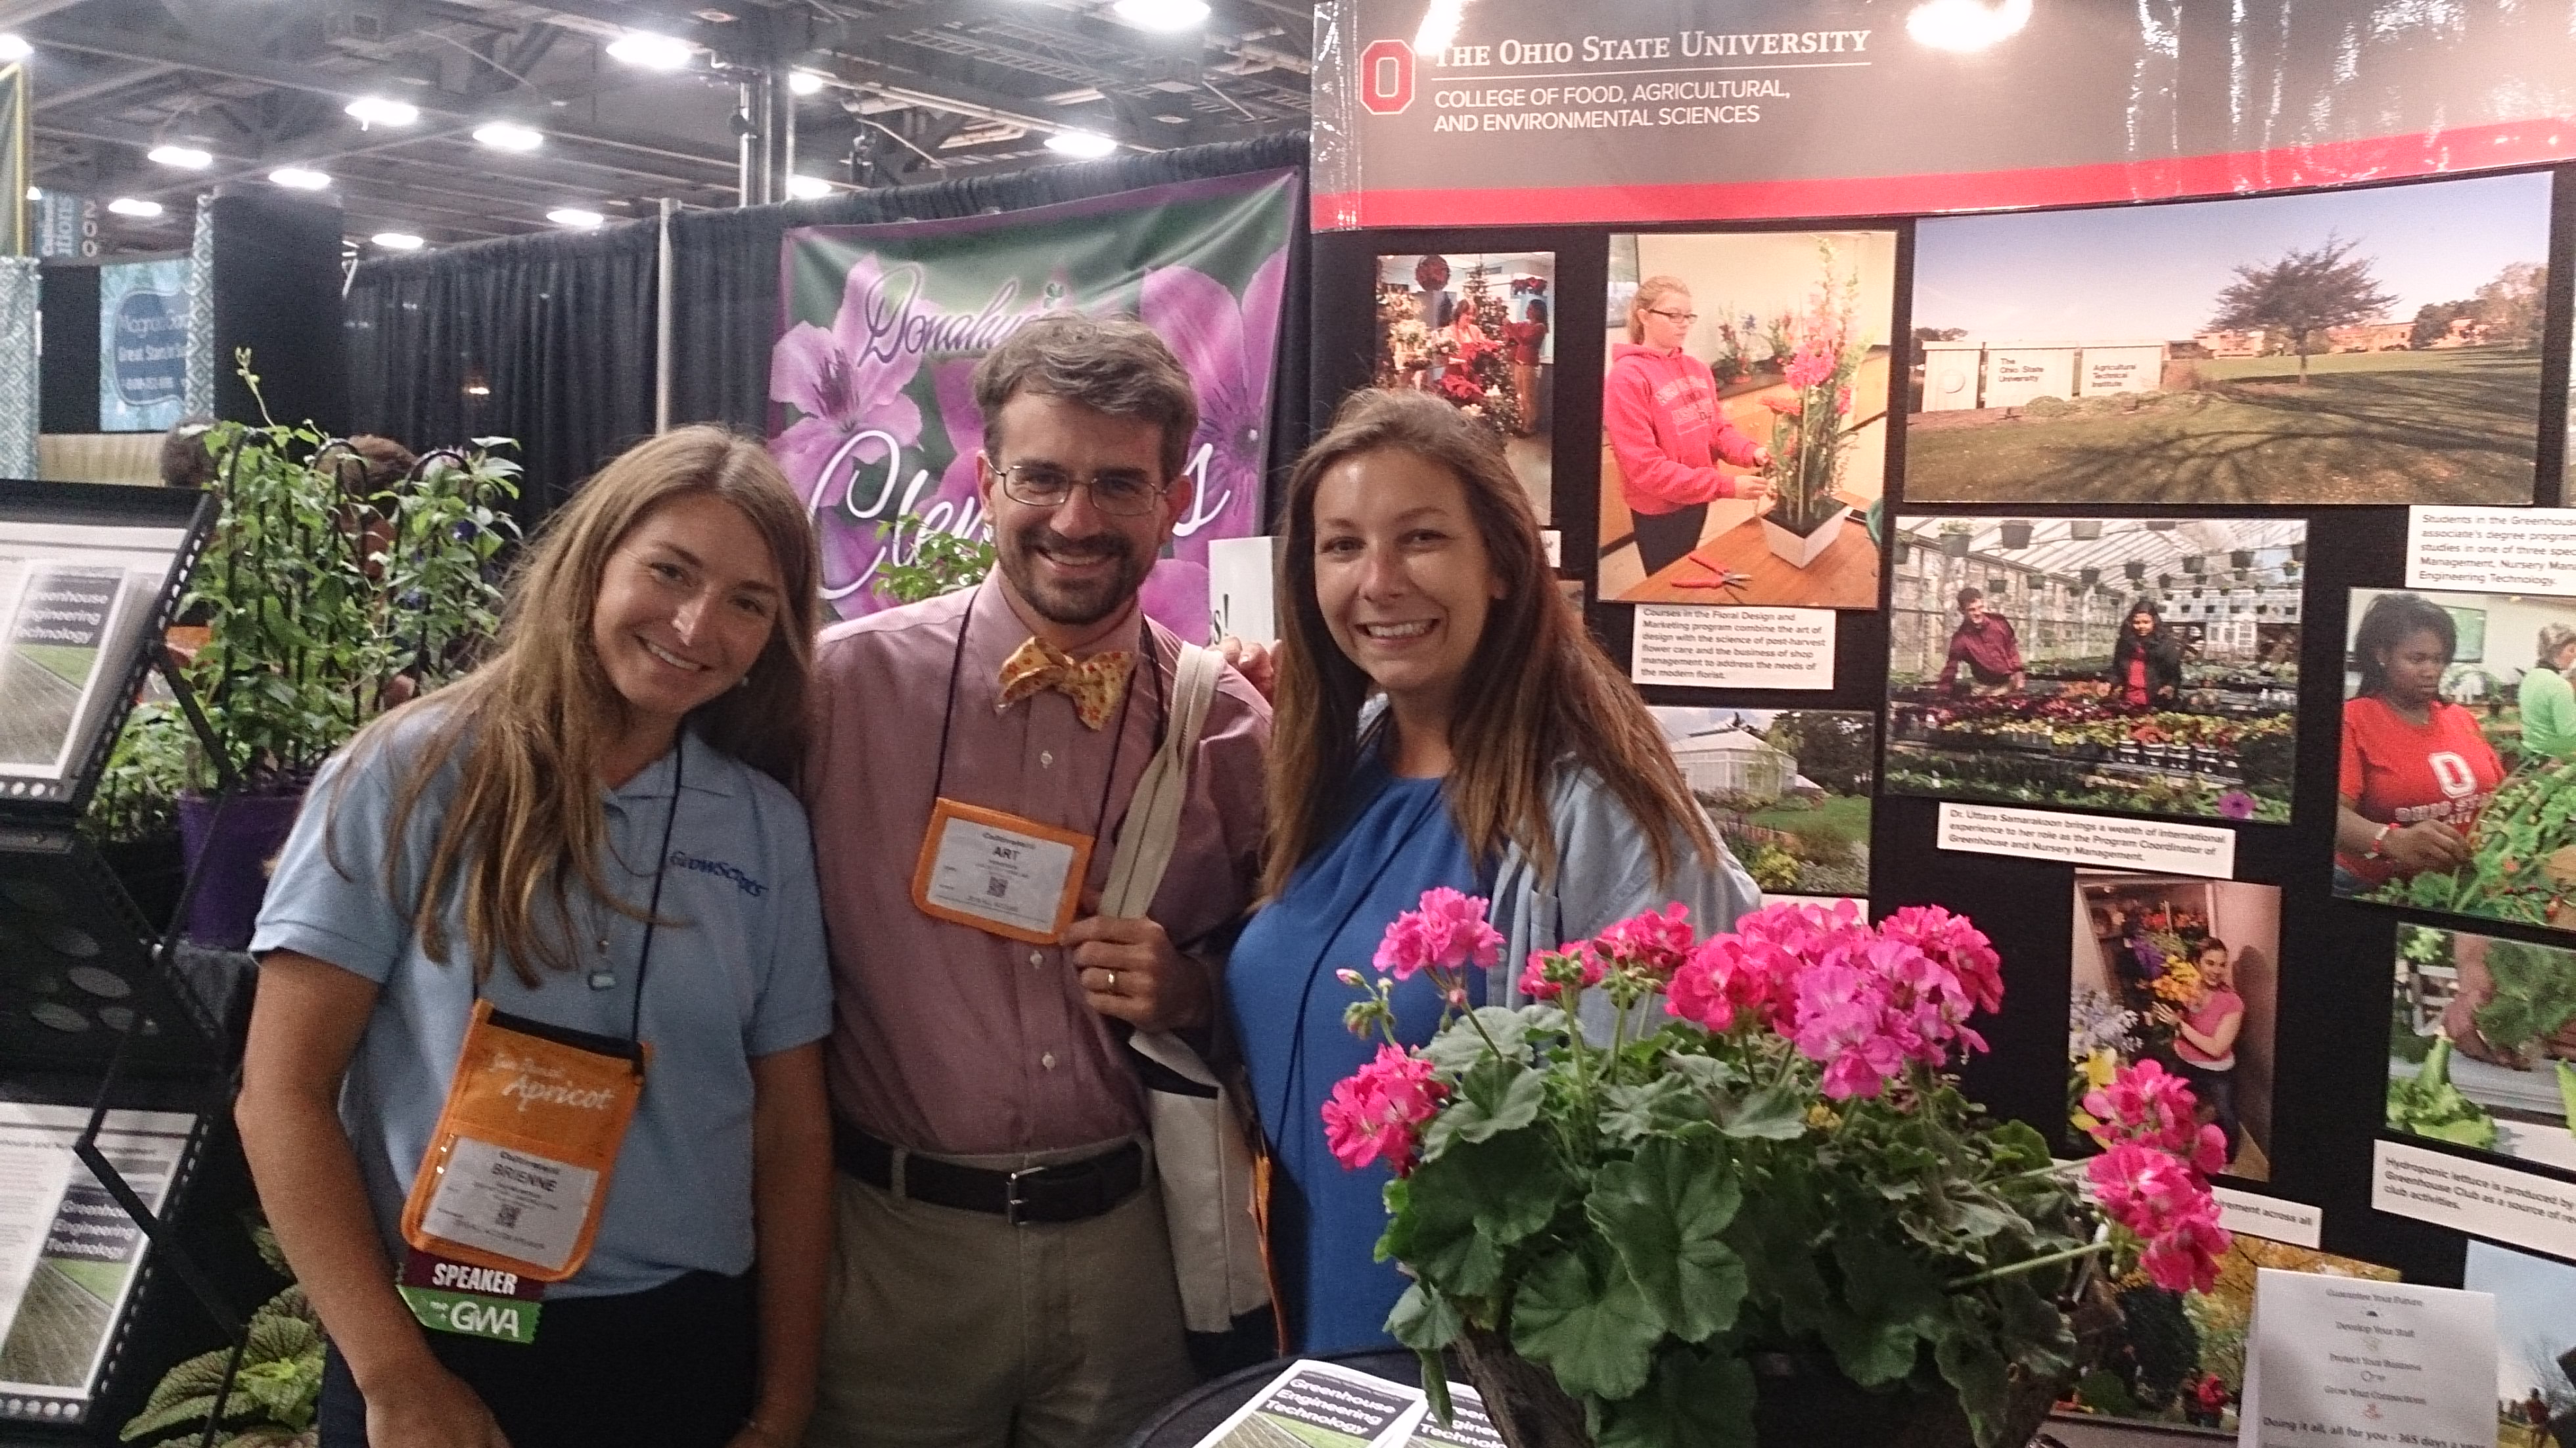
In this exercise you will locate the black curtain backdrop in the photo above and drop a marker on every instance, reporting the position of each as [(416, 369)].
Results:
[(546, 339), (559, 329)]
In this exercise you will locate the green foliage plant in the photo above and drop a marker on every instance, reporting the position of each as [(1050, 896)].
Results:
[(324, 605), (275, 1394), (923, 562), (1772, 1166)]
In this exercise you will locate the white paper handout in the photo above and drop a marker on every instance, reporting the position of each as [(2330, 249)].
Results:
[(2335, 1362), (1321, 1405)]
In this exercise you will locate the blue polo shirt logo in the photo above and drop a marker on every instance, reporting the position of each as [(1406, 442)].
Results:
[(683, 860)]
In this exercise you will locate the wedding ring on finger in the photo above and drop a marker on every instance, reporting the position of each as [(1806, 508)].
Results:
[(1111, 988)]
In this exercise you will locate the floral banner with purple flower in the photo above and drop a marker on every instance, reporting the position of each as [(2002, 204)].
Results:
[(872, 412)]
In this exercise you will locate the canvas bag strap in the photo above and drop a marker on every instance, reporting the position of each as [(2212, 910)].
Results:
[(1153, 824)]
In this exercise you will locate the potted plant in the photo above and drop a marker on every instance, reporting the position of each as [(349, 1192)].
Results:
[(1811, 428), (1755, 1210), (925, 563), (324, 605)]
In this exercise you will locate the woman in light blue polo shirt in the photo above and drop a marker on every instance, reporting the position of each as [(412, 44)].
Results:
[(507, 838)]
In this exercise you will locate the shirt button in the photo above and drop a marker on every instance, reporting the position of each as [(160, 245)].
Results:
[(1047, 1060), (1046, 759), (1037, 958)]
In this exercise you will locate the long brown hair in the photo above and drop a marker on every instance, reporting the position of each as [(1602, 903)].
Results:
[(1537, 688), (528, 728)]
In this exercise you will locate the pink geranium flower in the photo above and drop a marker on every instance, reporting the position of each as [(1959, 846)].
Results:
[(1447, 932), (1655, 943), (1959, 946), (1548, 974), (1377, 1112), (2162, 1201), (2149, 1105)]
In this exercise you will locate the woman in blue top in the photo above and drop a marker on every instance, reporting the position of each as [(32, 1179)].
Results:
[(588, 832), (1443, 719)]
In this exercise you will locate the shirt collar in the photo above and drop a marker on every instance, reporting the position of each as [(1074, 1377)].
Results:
[(995, 629), (709, 772)]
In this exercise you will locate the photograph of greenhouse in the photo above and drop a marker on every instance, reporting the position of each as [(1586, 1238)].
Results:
[(2459, 745), (2148, 666), (1788, 790), (2482, 1044)]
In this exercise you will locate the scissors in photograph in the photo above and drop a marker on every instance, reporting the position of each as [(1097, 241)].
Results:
[(1729, 579)]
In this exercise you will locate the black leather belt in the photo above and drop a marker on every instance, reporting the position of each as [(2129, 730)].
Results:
[(1072, 1191)]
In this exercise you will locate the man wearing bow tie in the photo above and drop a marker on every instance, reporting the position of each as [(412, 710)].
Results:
[(1004, 1279)]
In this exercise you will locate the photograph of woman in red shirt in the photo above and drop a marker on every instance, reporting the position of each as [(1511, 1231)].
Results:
[(2416, 768)]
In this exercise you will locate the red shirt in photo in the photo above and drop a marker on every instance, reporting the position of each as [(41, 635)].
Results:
[(2401, 773)]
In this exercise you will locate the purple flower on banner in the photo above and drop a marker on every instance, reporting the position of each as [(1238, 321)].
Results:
[(844, 387), (1226, 347)]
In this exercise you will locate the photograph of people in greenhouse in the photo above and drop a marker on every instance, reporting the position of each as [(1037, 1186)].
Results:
[(2459, 742), (2148, 666)]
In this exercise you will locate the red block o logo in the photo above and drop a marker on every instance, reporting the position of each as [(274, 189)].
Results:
[(1386, 77)]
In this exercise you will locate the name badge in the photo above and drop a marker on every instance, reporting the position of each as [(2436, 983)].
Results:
[(1000, 873)]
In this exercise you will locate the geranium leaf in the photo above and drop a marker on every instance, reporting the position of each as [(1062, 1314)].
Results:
[(1579, 1313), (1970, 1363), (2036, 1334), (2017, 1146), (1693, 1397), (1890, 1301), (1633, 1113), (1423, 1320), (1774, 1113), (1434, 1233), (1461, 1210), (1665, 1213), (1458, 1049), (1494, 1097)]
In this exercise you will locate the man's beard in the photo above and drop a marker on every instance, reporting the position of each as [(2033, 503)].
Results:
[(1072, 604)]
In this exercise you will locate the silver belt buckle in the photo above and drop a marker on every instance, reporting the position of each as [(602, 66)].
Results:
[(1011, 1202)]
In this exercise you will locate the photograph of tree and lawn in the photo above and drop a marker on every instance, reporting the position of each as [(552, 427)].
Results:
[(2366, 346)]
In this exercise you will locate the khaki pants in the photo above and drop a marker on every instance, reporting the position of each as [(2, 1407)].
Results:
[(952, 1329)]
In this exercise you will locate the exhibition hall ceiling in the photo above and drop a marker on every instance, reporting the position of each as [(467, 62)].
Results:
[(883, 94)]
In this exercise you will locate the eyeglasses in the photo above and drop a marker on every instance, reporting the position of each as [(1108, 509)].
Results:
[(1685, 318), (1044, 485)]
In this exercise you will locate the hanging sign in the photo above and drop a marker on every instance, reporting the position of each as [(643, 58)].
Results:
[(1519, 112), (873, 411), (142, 344)]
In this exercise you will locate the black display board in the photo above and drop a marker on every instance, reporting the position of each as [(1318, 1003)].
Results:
[(2336, 956)]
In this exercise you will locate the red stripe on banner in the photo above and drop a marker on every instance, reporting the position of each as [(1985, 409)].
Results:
[(2380, 158)]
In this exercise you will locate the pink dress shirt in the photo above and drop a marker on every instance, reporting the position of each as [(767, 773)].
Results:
[(946, 1039)]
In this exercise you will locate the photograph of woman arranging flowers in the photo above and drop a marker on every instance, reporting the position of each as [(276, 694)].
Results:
[(1744, 418), (1612, 1232), (2148, 666), (2482, 1044), (1476, 330), (2182, 972), (2450, 791)]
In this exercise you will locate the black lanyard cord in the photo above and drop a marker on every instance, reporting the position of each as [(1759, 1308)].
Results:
[(661, 868)]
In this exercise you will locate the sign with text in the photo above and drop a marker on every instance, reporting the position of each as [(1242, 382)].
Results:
[(2156, 846), (1521, 112), (2492, 550), (2249, 1214), (1734, 648), (2334, 1362), (2520, 1207), (142, 344)]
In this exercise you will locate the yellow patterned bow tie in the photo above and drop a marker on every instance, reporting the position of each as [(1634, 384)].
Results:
[(1094, 684)]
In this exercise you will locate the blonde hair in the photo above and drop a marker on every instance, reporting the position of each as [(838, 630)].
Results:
[(529, 728), (1650, 291), (1536, 690)]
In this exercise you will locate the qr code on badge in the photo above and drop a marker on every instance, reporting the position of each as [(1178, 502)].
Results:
[(995, 887), (506, 1216)]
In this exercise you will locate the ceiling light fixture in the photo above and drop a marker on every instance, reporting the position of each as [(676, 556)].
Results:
[(574, 216), (805, 82), (651, 52), (299, 178), (1081, 145), (396, 240), (808, 188), (1439, 28), (129, 206), (186, 158), (377, 111), (509, 136), (14, 47), (1161, 15), (1966, 25)]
